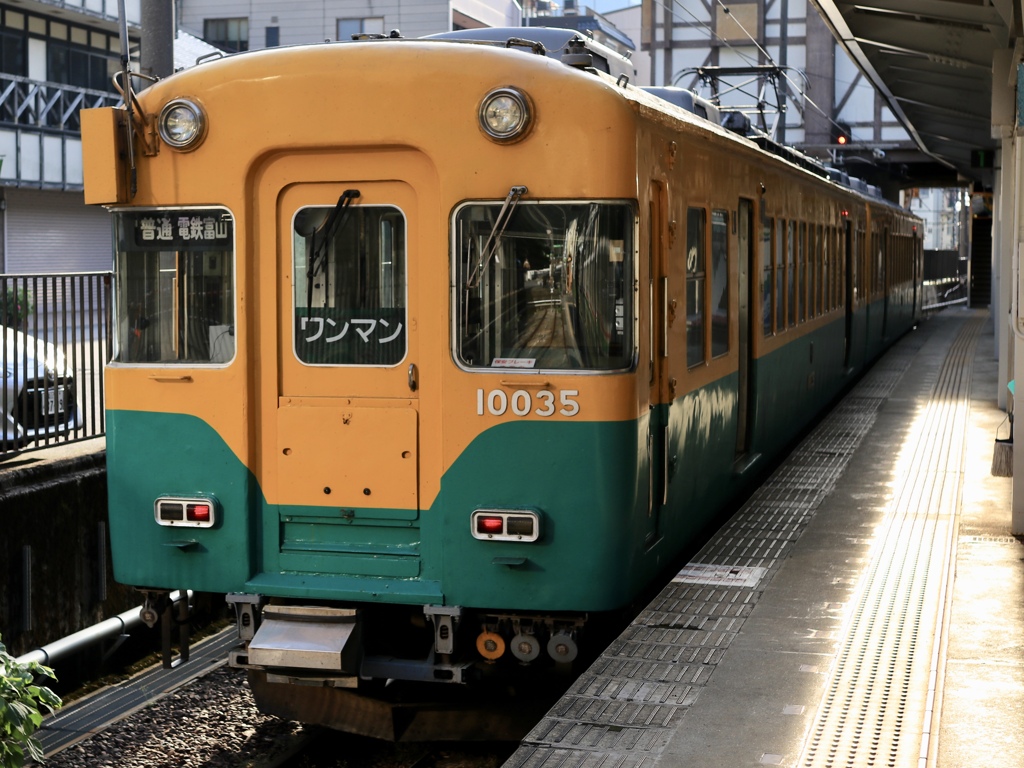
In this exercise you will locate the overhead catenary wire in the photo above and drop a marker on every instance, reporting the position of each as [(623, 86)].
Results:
[(797, 90)]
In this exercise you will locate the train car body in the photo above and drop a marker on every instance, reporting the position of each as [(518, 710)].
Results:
[(427, 351)]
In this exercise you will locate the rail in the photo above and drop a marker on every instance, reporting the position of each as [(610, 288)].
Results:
[(56, 340)]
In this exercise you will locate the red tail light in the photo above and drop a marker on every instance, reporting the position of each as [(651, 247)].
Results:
[(490, 525), (198, 513)]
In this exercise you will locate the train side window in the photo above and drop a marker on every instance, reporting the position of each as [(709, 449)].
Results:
[(816, 278), (826, 275), (719, 283), (696, 274), (174, 286), (791, 300), (766, 274), (814, 270), (838, 271), (801, 266), (349, 285), (861, 274), (549, 288), (780, 277)]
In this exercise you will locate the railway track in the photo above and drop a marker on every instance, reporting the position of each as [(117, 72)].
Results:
[(201, 714)]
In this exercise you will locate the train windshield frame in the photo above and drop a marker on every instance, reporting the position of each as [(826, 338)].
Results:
[(174, 286), (550, 288)]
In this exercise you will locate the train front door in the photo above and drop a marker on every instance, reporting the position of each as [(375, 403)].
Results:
[(342, 446)]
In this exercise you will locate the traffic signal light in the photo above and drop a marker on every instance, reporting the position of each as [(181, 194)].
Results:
[(840, 134)]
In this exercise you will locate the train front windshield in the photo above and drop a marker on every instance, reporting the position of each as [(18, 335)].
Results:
[(548, 288)]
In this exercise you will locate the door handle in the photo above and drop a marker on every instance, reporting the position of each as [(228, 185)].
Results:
[(412, 377)]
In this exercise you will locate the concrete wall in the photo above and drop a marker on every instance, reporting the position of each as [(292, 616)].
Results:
[(55, 572)]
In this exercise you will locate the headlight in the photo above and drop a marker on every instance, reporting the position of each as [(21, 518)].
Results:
[(505, 114), (182, 124)]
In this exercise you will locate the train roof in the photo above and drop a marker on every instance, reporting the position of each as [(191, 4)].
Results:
[(569, 45), (579, 51)]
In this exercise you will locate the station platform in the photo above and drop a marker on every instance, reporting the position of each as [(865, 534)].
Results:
[(865, 607)]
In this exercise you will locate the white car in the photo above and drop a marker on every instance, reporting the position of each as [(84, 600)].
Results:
[(38, 394)]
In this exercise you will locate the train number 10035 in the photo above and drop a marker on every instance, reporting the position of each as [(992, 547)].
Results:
[(497, 402)]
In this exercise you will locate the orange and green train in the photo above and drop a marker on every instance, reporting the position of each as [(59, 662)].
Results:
[(429, 351)]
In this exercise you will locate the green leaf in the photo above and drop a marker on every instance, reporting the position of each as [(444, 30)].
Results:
[(35, 750), (21, 702), (50, 699)]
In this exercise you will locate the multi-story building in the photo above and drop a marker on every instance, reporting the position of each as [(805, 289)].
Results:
[(56, 57), (241, 25)]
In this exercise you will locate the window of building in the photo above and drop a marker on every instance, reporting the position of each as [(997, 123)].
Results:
[(80, 67), (70, 54), (273, 37), (349, 28), (13, 59), (227, 34)]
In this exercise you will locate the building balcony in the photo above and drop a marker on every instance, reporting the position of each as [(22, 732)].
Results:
[(95, 10), (40, 139)]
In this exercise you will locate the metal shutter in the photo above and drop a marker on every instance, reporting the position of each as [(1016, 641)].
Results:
[(55, 232)]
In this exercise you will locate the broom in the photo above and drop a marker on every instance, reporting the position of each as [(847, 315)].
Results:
[(1002, 455)]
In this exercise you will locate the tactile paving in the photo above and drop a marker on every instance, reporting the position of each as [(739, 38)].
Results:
[(624, 709)]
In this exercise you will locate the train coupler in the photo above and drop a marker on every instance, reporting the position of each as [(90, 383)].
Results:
[(248, 613), (445, 619)]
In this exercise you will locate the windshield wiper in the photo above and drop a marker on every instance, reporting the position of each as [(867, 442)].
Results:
[(490, 249), (333, 224)]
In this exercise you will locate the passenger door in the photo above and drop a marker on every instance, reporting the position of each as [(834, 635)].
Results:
[(341, 441), (747, 268), (346, 413), (657, 321)]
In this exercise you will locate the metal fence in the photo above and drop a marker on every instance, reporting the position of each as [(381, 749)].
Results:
[(56, 340), (946, 276)]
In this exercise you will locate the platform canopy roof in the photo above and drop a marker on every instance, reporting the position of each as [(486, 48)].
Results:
[(933, 62)]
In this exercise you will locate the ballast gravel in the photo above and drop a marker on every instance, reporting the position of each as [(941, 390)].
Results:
[(211, 722)]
